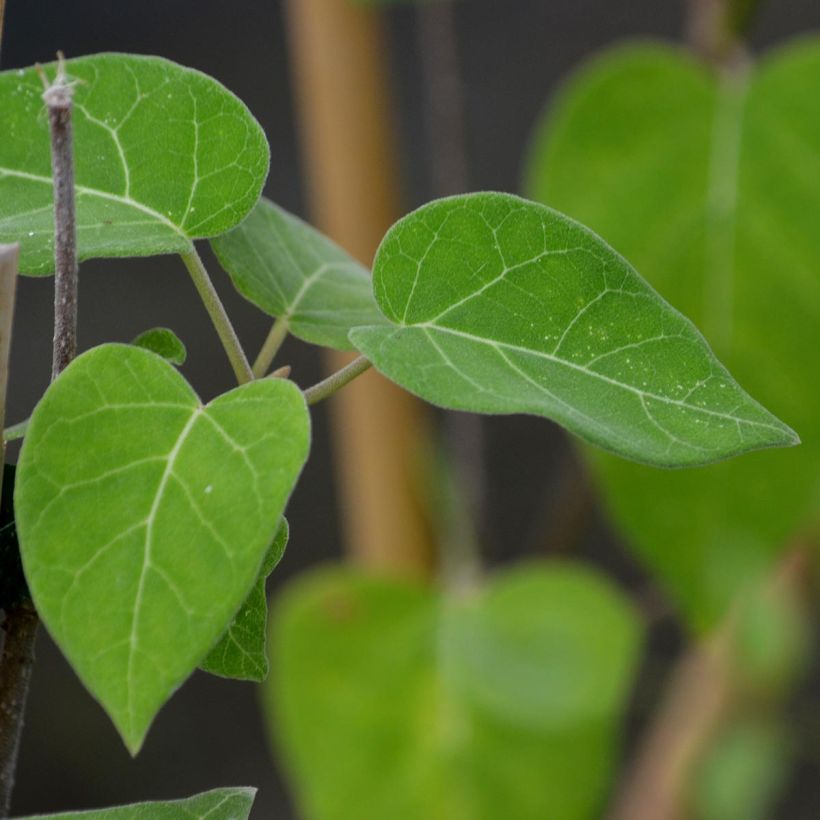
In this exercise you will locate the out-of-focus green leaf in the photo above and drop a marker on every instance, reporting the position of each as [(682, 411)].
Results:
[(242, 651), (293, 272), (743, 772), (710, 186), (163, 342), (163, 154), (218, 804), (389, 700)]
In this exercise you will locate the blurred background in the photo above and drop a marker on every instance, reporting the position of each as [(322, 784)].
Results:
[(537, 499)]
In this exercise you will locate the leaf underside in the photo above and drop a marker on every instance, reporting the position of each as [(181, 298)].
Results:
[(163, 155), (293, 272), (710, 188), (144, 518), (502, 703), (218, 804), (242, 651), (499, 305)]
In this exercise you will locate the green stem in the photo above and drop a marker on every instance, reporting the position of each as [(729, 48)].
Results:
[(270, 348), (15, 431), (334, 383), (216, 310)]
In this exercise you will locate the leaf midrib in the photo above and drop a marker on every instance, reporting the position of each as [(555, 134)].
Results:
[(557, 360), (84, 189)]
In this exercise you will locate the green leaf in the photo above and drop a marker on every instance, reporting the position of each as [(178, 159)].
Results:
[(144, 518), (499, 305), (218, 804), (389, 700), (163, 342), (744, 772), (293, 272), (163, 155), (710, 188), (242, 650)]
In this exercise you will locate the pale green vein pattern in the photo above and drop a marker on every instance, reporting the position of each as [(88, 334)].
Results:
[(218, 804), (501, 305), (711, 188), (163, 155), (293, 272), (144, 518), (504, 702), (242, 651)]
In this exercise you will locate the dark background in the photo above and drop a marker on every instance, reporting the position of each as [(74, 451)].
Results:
[(513, 55)]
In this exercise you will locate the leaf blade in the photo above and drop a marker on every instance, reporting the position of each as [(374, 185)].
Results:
[(163, 525), (707, 534), (217, 804), (500, 305), (137, 194), (242, 651), (374, 675), (163, 342), (292, 272)]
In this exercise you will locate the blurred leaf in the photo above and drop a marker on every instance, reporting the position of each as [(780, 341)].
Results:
[(242, 651), (743, 772), (144, 516), (163, 155), (163, 342), (711, 188), (773, 641), (499, 305), (391, 701), (218, 804), (293, 272)]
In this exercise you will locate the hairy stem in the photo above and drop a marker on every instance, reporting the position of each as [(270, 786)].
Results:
[(216, 310), (2, 19), (278, 334), (337, 381), (715, 28), (20, 628), (58, 101), (8, 285)]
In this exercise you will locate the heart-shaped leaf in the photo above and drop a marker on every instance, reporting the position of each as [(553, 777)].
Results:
[(163, 342), (391, 701), (144, 518), (499, 305), (163, 155), (293, 272), (710, 185), (242, 651), (218, 804)]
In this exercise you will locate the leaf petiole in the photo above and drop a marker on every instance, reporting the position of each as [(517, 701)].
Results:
[(219, 317), (277, 335), (332, 384), (16, 431)]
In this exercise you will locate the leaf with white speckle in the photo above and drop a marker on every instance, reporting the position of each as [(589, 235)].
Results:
[(163, 154), (499, 305), (293, 272), (144, 518)]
